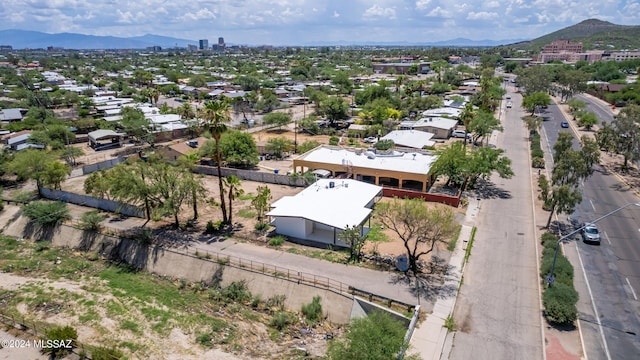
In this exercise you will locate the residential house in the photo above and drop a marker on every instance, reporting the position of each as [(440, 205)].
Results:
[(181, 148), (325, 209), (19, 140), (440, 127), (14, 114), (410, 138)]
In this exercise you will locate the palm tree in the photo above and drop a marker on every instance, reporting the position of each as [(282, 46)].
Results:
[(216, 113), (466, 116), (233, 186)]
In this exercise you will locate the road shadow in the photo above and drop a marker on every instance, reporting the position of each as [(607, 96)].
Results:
[(486, 189), (432, 283)]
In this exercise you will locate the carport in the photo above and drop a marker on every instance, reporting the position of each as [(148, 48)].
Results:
[(105, 139)]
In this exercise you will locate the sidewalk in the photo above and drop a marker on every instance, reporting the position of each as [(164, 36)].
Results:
[(430, 338)]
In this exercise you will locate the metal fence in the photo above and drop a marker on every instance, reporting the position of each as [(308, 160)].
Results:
[(103, 165), (252, 175)]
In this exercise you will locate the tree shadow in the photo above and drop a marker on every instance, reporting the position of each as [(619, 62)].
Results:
[(39, 232), (87, 240), (433, 283), (488, 190)]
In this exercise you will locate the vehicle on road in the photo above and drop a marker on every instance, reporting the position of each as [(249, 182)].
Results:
[(508, 97), (509, 104), (461, 134), (370, 140), (590, 233), (564, 124)]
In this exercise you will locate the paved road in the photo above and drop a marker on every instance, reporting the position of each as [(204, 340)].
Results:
[(609, 308), (498, 308)]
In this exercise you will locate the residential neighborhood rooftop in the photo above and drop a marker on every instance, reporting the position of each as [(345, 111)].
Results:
[(339, 206)]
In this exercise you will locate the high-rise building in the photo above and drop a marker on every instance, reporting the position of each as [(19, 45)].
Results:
[(203, 44), (220, 41)]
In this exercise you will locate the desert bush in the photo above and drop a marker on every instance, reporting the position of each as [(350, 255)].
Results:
[(549, 240), (277, 240), (47, 213), (563, 271), (537, 163), (559, 303), (104, 353), (91, 220), (276, 301), (313, 311), (60, 335), (281, 320)]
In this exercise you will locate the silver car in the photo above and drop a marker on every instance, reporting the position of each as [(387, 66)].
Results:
[(590, 233)]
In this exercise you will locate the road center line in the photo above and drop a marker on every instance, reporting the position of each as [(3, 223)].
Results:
[(593, 206), (606, 237), (593, 304), (631, 287)]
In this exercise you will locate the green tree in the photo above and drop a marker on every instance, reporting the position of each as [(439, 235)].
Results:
[(268, 101), (278, 145), (216, 114), (587, 119), (31, 164), (261, 202), (277, 118), (576, 106), (342, 81), (239, 149), (136, 125), (420, 228), (533, 100), (307, 146), (54, 174), (353, 237), (482, 125), (626, 126), (450, 163), (375, 337), (98, 184), (47, 213), (334, 108)]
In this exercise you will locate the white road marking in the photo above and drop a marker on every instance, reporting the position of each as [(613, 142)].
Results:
[(593, 206), (631, 287), (606, 237), (593, 304)]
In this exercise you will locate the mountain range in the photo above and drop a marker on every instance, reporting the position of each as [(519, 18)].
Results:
[(22, 39)]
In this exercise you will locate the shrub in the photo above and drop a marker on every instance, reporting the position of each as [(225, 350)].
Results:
[(535, 153), (236, 292), (277, 241), (549, 240), (104, 353), (559, 303), (212, 227), (563, 271), (60, 336), (537, 163), (47, 213), (91, 220), (307, 145), (334, 140), (261, 226), (313, 310), (280, 320), (276, 301)]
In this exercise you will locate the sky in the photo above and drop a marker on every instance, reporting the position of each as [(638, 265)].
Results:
[(300, 22)]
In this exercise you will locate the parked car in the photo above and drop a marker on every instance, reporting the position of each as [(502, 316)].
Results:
[(461, 134), (370, 140), (508, 97), (564, 124), (509, 104), (590, 233)]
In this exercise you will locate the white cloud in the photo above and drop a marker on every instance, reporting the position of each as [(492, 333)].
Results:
[(422, 4), (492, 4), (336, 14), (439, 12), (482, 15), (377, 11)]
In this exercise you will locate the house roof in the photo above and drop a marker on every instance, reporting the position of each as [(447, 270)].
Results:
[(339, 206), (400, 161), (434, 122), (184, 148), (11, 114), (410, 138), (103, 134)]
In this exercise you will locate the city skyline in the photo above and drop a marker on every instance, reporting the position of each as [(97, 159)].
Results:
[(300, 22)]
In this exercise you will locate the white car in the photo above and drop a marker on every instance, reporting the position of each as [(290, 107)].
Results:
[(509, 104), (461, 134), (370, 140)]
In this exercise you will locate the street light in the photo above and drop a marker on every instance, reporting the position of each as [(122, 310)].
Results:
[(551, 277)]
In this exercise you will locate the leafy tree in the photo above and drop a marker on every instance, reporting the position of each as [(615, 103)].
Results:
[(377, 336), (534, 79), (277, 118), (481, 163), (55, 173), (587, 119), (98, 184), (307, 146), (335, 109), (450, 163), (606, 138), (239, 149), (383, 145), (249, 83), (576, 105), (47, 213), (342, 81), (261, 202), (216, 114), (535, 99), (571, 82), (419, 227), (626, 126), (483, 124), (31, 164), (353, 237), (278, 145), (135, 124), (268, 101)]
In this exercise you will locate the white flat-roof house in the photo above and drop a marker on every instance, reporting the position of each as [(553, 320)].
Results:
[(410, 138), (323, 210), (440, 127), (397, 169)]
